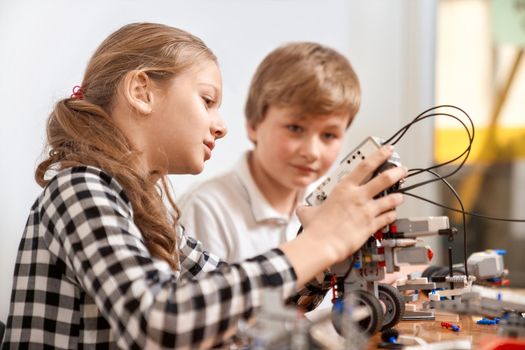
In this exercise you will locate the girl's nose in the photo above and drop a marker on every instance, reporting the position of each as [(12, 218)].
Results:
[(219, 128)]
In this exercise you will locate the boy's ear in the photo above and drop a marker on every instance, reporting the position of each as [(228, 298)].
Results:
[(138, 91), (251, 132)]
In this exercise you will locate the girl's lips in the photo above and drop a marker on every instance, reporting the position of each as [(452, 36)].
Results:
[(207, 152), (210, 145)]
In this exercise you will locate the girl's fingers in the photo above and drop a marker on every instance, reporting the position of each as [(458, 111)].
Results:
[(384, 180), (366, 168), (384, 219), (387, 203), (305, 214)]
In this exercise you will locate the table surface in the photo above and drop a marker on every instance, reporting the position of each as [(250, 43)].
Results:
[(431, 331)]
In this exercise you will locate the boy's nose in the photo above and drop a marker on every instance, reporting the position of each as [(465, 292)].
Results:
[(310, 148)]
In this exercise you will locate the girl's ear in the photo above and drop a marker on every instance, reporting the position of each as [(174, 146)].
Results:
[(138, 91)]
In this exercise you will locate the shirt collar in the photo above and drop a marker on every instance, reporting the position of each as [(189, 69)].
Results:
[(261, 209)]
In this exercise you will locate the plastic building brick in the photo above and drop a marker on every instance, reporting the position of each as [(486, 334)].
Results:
[(451, 326)]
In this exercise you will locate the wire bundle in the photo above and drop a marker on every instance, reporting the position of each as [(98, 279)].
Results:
[(432, 113)]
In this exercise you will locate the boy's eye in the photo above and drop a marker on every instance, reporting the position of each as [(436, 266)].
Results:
[(294, 128), (329, 136)]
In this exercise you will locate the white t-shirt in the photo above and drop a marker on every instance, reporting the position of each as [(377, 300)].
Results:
[(231, 217)]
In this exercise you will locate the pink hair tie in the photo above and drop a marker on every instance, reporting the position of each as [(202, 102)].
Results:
[(78, 92)]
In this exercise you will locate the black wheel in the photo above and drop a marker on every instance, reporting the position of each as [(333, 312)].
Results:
[(370, 324), (374, 321), (431, 271), (439, 271), (394, 305)]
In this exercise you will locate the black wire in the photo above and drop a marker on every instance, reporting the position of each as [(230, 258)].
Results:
[(481, 216), (420, 118), (462, 212), (400, 133), (352, 263), (405, 128), (467, 150), (465, 154)]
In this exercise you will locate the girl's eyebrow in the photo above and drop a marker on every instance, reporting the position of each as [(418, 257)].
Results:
[(211, 85), (216, 91)]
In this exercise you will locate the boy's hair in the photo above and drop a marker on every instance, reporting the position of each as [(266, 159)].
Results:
[(310, 77), (80, 131)]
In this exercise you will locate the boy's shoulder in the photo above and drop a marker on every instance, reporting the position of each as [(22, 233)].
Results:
[(214, 187), (228, 188)]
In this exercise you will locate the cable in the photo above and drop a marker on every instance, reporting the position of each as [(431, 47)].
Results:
[(466, 151), (398, 135), (401, 132), (352, 263), (405, 128), (462, 212), (487, 217)]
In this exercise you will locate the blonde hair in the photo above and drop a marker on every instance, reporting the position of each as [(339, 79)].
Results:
[(309, 77), (82, 132)]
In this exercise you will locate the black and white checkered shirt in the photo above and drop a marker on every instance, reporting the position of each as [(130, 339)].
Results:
[(84, 278)]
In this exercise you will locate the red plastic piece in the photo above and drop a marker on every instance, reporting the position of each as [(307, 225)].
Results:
[(451, 326), (334, 288), (500, 343), (430, 254)]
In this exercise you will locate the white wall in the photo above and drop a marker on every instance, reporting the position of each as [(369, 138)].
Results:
[(45, 45)]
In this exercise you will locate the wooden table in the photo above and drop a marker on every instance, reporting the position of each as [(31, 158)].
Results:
[(431, 331)]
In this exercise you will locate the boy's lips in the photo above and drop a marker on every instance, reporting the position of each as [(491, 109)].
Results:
[(305, 168)]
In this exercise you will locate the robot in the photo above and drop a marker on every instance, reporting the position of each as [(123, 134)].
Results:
[(384, 252), (367, 147), (487, 266), (438, 288), (449, 282)]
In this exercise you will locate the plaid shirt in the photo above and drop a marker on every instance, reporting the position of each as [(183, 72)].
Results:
[(85, 279)]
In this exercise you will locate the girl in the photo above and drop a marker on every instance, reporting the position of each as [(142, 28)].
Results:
[(101, 262)]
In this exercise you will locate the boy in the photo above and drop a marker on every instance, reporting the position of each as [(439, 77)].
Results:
[(301, 100)]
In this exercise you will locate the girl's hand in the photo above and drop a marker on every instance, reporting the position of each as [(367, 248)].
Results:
[(347, 218)]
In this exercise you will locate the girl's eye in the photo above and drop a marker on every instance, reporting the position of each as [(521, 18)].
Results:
[(209, 102), (294, 128)]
